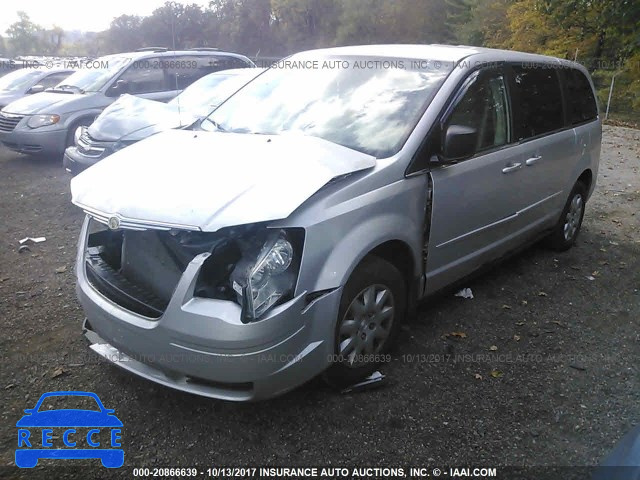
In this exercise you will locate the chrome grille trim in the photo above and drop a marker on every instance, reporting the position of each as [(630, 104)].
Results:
[(8, 121), (91, 147), (134, 224)]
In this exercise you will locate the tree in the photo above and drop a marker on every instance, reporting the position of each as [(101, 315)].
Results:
[(125, 34), (175, 25), (24, 35)]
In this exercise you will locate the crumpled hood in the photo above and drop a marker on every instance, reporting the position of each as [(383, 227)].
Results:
[(133, 118), (48, 102), (210, 180)]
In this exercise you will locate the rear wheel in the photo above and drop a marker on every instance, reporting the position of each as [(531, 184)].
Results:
[(372, 306), (566, 232)]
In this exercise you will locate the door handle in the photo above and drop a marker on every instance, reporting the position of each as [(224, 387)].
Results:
[(512, 167), (533, 160)]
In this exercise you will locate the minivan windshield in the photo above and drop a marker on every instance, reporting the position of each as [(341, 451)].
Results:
[(207, 93), (19, 80), (93, 79), (367, 104)]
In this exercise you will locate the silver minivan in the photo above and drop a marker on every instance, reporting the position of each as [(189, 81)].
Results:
[(299, 225)]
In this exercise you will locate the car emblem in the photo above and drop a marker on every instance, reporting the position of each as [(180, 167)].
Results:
[(114, 223)]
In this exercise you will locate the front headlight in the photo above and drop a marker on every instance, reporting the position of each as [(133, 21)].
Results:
[(38, 121), (255, 266)]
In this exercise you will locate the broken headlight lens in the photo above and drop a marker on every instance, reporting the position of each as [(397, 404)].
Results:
[(270, 278)]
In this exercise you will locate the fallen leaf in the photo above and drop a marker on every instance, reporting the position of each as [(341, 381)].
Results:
[(458, 334), (57, 372), (478, 376), (520, 323), (493, 348), (590, 278), (506, 307), (496, 373), (595, 273), (542, 294), (61, 269), (524, 302), (516, 338)]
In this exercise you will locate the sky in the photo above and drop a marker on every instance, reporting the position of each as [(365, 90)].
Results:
[(86, 15)]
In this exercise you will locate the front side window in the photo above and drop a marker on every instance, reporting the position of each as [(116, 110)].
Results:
[(484, 108), (364, 103), (93, 79), (144, 76), (538, 106), (581, 102)]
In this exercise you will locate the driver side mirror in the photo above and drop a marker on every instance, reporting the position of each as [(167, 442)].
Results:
[(459, 142), (36, 89), (119, 88)]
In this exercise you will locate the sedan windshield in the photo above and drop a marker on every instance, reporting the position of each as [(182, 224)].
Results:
[(93, 79), (364, 103), (19, 80)]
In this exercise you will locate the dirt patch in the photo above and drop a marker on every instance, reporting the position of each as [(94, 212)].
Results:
[(545, 374)]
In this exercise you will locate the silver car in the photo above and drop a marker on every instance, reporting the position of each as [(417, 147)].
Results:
[(293, 233), (27, 81)]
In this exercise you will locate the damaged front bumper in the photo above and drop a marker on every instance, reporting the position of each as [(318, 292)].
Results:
[(200, 345)]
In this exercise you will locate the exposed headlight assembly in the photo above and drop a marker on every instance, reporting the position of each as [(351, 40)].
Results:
[(37, 121), (255, 266), (262, 281)]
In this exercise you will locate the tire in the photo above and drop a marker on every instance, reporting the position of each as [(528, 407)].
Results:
[(566, 231), (364, 332)]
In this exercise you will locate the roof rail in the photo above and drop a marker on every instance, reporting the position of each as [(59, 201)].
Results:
[(152, 49), (206, 49)]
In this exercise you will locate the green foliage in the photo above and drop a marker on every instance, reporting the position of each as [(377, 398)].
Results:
[(24, 35)]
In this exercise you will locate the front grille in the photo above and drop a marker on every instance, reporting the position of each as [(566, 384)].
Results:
[(89, 146), (8, 121)]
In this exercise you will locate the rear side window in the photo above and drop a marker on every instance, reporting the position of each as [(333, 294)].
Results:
[(581, 103), (186, 69), (538, 101)]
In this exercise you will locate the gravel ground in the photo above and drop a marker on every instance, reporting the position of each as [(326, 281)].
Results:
[(543, 369)]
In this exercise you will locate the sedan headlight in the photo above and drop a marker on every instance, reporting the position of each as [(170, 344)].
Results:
[(38, 121)]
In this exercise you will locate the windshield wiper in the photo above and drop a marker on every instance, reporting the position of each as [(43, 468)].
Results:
[(216, 124), (65, 88)]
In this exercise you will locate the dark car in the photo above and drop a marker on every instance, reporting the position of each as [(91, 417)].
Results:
[(26, 81), (131, 119), (92, 415)]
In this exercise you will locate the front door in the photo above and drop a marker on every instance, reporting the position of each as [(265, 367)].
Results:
[(475, 201)]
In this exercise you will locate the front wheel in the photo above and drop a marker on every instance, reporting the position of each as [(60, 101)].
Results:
[(372, 306), (566, 232)]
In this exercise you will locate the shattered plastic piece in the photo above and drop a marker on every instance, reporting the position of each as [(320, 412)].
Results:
[(465, 293), (591, 278), (372, 381), (32, 240), (23, 248)]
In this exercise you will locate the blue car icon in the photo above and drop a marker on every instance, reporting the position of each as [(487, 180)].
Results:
[(35, 432)]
